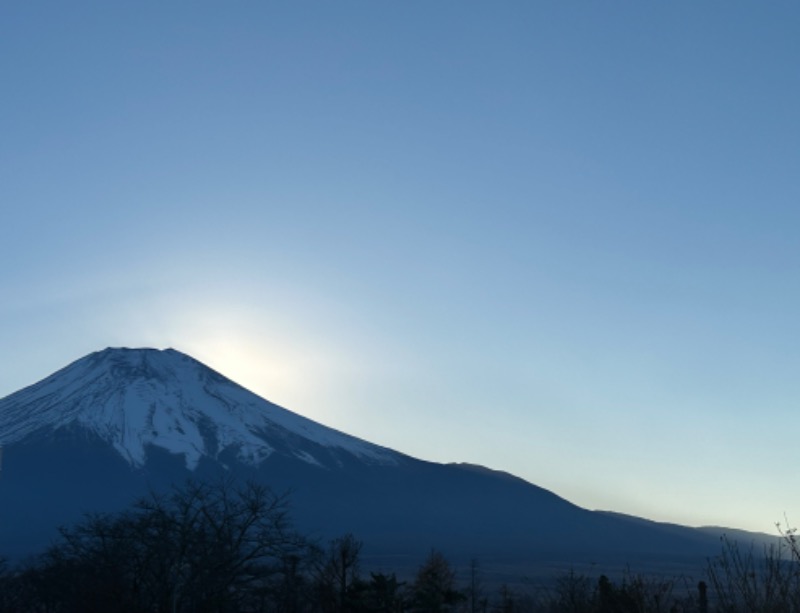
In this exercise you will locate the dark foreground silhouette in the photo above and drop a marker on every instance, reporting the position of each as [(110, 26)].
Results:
[(228, 548)]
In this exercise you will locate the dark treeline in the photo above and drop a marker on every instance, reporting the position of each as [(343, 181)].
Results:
[(229, 549)]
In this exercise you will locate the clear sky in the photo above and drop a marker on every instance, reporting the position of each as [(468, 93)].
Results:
[(554, 238)]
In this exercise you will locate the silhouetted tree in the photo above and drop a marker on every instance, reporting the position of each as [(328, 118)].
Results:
[(434, 590), (702, 597), (572, 593), (337, 582), (743, 581), (384, 594), (202, 547)]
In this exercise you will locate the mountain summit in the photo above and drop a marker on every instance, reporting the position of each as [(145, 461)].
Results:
[(135, 399)]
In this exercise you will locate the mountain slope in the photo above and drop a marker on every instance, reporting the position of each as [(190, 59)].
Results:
[(110, 426)]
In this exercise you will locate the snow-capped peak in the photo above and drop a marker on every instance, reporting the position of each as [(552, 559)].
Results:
[(135, 398)]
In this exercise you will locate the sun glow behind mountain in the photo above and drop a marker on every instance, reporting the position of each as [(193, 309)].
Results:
[(257, 347)]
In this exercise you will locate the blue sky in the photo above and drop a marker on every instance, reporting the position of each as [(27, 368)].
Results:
[(558, 239)]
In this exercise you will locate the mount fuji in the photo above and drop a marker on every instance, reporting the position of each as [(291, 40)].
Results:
[(118, 423), (135, 399)]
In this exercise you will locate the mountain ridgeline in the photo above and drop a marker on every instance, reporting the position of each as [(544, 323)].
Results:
[(118, 423)]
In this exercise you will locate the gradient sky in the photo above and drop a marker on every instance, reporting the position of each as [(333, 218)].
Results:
[(555, 238)]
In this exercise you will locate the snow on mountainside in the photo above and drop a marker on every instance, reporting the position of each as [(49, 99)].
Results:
[(135, 398)]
